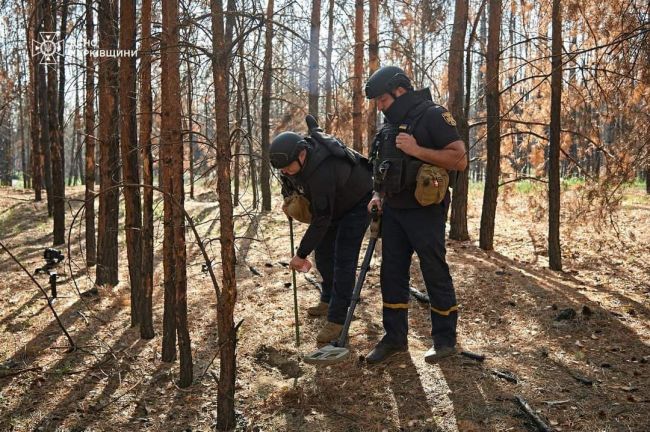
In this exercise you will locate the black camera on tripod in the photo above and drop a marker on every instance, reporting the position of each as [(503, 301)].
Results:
[(52, 258)]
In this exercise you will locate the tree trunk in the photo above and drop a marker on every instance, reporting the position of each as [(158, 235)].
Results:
[(373, 65), (56, 100), (228, 296), (314, 47), (328, 68), (37, 167), (167, 132), (6, 158), (89, 115), (357, 97), (172, 148), (252, 165), (109, 143), (458, 223), (554, 250), (190, 122), (75, 148), (21, 125), (146, 314), (237, 136), (265, 175), (45, 108), (493, 143), (129, 151)]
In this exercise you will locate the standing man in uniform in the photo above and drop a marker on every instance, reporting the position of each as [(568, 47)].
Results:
[(332, 186), (411, 156)]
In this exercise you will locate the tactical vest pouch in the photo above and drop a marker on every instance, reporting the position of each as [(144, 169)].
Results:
[(432, 183), (296, 206)]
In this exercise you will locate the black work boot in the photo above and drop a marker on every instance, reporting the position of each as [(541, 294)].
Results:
[(383, 351), (433, 355)]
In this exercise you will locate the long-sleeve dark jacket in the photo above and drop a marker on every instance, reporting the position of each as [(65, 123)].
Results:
[(333, 187)]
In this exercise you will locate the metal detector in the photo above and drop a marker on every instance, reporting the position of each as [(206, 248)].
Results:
[(336, 351)]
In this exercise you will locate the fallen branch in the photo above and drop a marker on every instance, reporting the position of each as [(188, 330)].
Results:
[(557, 402), (73, 346), (18, 372), (313, 282), (419, 296), (508, 376), (541, 425), (473, 356), (580, 378)]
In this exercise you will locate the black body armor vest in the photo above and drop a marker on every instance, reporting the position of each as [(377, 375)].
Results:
[(394, 170)]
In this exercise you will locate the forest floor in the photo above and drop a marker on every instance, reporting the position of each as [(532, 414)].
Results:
[(588, 372)]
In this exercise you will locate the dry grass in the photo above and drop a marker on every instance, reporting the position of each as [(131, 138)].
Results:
[(509, 302)]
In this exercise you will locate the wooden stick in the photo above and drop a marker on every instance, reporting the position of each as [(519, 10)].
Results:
[(473, 356), (541, 426), (508, 376), (419, 296), (18, 372), (312, 281)]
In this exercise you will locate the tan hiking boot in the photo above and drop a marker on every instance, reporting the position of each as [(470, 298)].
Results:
[(320, 310), (330, 332)]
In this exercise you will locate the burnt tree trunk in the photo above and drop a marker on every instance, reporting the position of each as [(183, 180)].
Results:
[(45, 107), (37, 166), (21, 124), (190, 122), (458, 223), (109, 146), (89, 115), (237, 136), (493, 143), (265, 175), (172, 148), (328, 68), (314, 47), (252, 164), (228, 295), (129, 151), (146, 313), (58, 149), (357, 97), (167, 137), (554, 250), (373, 65)]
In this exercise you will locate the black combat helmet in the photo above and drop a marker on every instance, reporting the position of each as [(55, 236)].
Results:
[(285, 149), (385, 80)]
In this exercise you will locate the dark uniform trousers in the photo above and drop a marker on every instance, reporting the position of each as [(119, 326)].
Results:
[(336, 259), (421, 230)]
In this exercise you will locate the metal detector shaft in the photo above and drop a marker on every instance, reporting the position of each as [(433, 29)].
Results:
[(374, 234)]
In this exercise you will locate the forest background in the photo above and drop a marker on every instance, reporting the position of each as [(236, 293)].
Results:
[(134, 137)]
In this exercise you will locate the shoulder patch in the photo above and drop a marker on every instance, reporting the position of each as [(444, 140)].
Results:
[(449, 118)]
